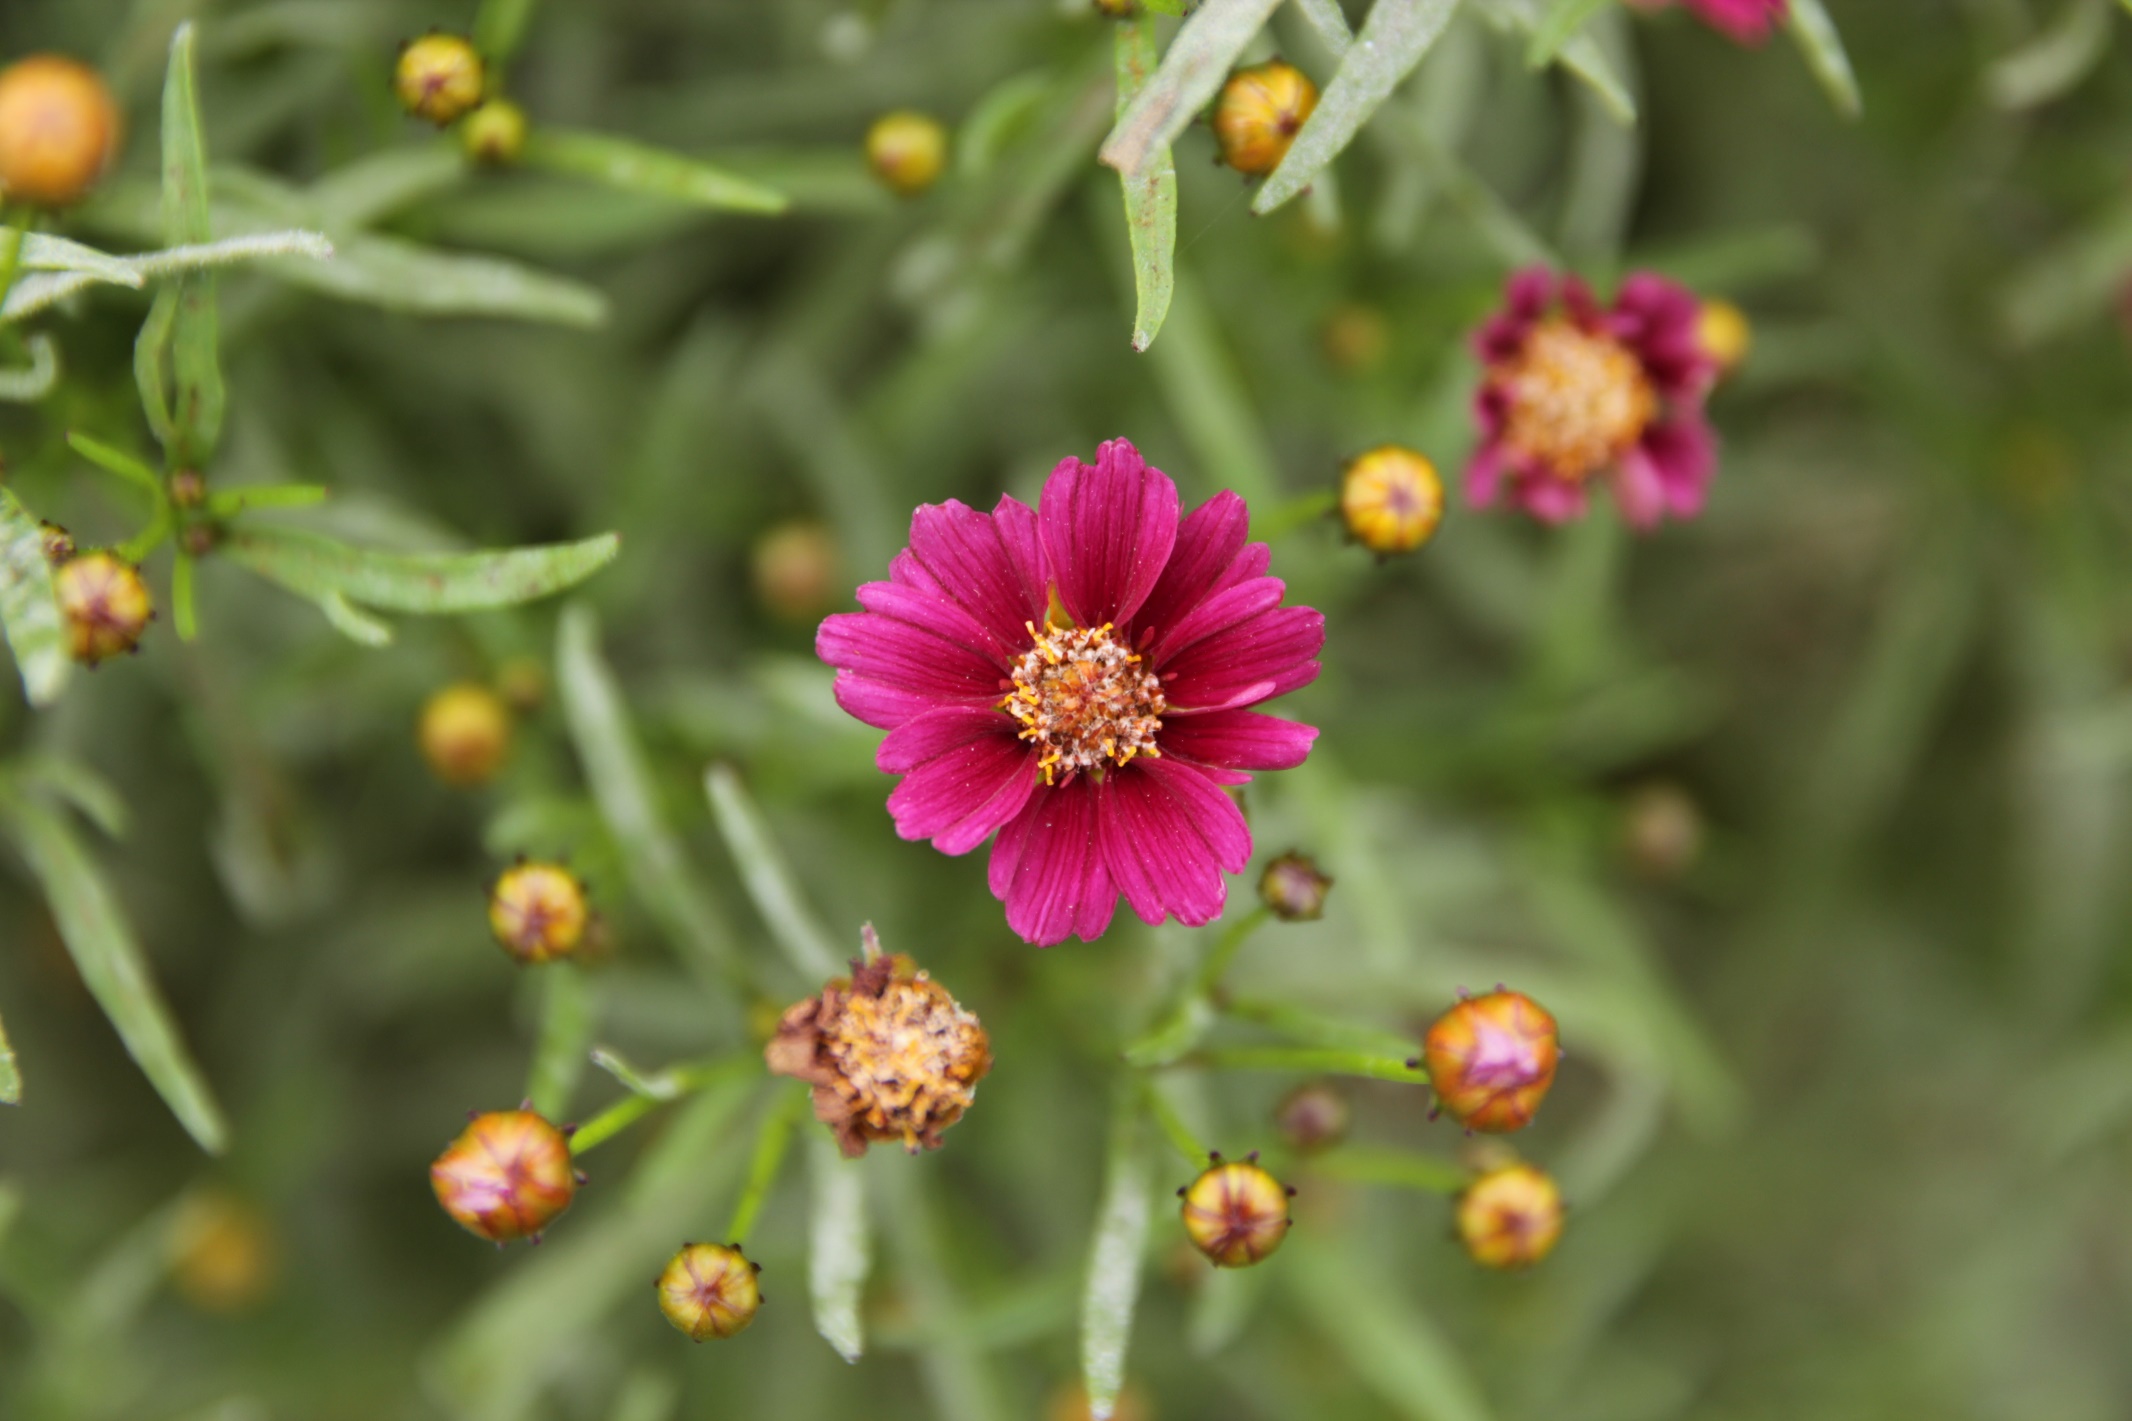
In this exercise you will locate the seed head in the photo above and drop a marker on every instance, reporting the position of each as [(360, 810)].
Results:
[(1391, 500), (907, 151), (58, 130), (890, 1054), (495, 133), (1294, 889), (1510, 1216), (1491, 1060), (709, 1290), (465, 734), (1236, 1213), (795, 567), (507, 1176), (1312, 1117), (1258, 114), (1724, 330), (105, 603), (225, 1257), (538, 912), (440, 77)]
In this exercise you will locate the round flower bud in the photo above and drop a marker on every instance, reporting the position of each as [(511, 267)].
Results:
[(105, 603), (1294, 889), (1313, 1116), (1510, 1216), (708, 1290), (58, 130), (1356, 339), (523, 683), (890, 1054), (507, 1176), (907, 151), (1258, 114), (1391, 500), (224, 1255), (465, 733), (1725, 334), (495, 133), (1236, 1213), (1662, 831), (538, 912), (440, 77), (795, 568), (1491, 1060)]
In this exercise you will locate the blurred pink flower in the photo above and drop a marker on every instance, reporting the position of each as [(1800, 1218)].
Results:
[(1077, 677), (1748, 21), (1571, 391)]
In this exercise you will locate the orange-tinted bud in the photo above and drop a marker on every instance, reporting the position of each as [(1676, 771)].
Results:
[(1391, 500), (465, 734), (538, 912), (58, 130), (1258, 114), (507, 1176), (1117, 9), (495, 133), (1313, 1116), (1293, 888), (907, 151), (440, 77), (1510, 1217), (225, 1258), (1491, 1060), (795, 567), (709, 1290), (1356, 339), (1236, 1213), (1725, 333), (1662, 831), (105, 603)]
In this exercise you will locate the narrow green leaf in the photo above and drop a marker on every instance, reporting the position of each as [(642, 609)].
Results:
[(151, 368), (29, 609), (1817, 39), (1190, 75), (184, 150), (231, 502), (229, 251), (378, 185), (2053, 62), (1206, 395), (767, 877), (1394, 38), (109, 959), (1150, 193), (116, 461), (959, 1383), (399, 275), (43, 252), (1564, 19), (1118, 1246), (621, 785), (839, 1249), (1330, 21), (1580, 53), (70, 782), (633, 167), (568, 1006), (28, 386), (1394, 1347), (772, 1139), (498, 27), (424, 583), (352, 623), (200, 398), (1312, 1061), (10, 1094), (184, 613), (2072, 281)]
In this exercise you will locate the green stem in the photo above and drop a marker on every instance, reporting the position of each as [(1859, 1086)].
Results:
[(1224, 953), (770, 1146), (1307, 1028), (648, 1092), (11, 263), (1310, 1061), (1369, 1164), (1173, 1127)]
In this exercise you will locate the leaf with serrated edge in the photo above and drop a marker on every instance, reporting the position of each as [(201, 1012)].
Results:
[(1190, 75), (425, 583), (1114, 1258), (29, 609), (839, 1250)]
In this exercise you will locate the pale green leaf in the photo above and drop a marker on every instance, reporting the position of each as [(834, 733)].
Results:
[(71, 782), (1393, 1346), (773, 1137), (1117, 1249), (426, 583), (185, 217), (1394, 38), (1150, 194), (352, 623), (1191, 73), (1817, 39), (379, 184), (29, 609), (44, 252), (2053, 62), (109, 958), (2072, 281), (568, 1008), (199, 395), (839, 1248), (1563, 20), (498, 27), (151, 365), (251, 246), (768, 878), (400, 275), (10, 1094), (230, 502), (1330, 21), (27, 386), (116, 461), (1206, 395), (1579, 52), (633, 167)]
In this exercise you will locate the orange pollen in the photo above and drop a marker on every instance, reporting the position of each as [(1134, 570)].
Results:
[(1577, 399), (1084, 700)]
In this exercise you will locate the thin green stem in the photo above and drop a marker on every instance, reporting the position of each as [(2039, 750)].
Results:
[(1232, 941), (1307, 1028), (1312, 1062), (648, 1092), (771, 1143), (1405, 1169), (1173, 1127)]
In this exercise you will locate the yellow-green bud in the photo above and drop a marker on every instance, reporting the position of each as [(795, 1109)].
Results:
[(105, 603), (1391, 500), (538, 912), (709, 1290), (465, 734), (495, 133), (1510, 1217), (1235, 1212), (907, 151), (440, 77)]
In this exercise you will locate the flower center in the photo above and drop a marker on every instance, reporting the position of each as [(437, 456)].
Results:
[(1577, 400), (1084, 699)]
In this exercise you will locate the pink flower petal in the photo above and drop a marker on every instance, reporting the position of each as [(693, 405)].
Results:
[(959, 797), (1015, 523), (1275, 649), (1638, 490), (1747, 21), (905, 659), (1217, 613), (1154, 850), (1683, 454), (1239, 740), (1213, 813), (943, 616), (1661, 321), (1207, 543), (1054, 882), (1108, 529), (1484, 476), (1549, 499), (879, 704), (938, 731), (963, 549)]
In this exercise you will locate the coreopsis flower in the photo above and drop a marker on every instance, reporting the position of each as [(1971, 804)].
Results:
[(1572, 392), (1510, 1217), (1235, 1212), (1491, 1060), (507, 1176), (890, 1054), (495, 133), (1078, 677), (1260, 110), (1391, 500), (710, 1290)]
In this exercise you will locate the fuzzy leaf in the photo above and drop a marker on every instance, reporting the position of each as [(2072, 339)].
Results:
[(1114, 1258), (1392, 1345), (633, 167), (1817, 39), (22, 387), (425, 583), (200, 396), (399, 275), (29, 609), (1190, 75), (44, 252), (768, 878), (839, 1249), (1150, 194)]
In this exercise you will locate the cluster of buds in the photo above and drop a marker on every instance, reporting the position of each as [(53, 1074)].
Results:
[(538, 912), (1258, 114), (508, 1175), (907, 151), (710, 1290), (443, 79), (1235, 1212), (102, 598), (465, 734), (59, 130)]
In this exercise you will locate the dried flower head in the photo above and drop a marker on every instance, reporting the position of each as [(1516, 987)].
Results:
[(1491, 1060), (507, 1176), (495, 133), (1313, 1116), (1235, 1212), (59, 130), (105, 603), (440, 77), (907, 151), (465, 733), (224, 1256), (1258, 114), (709, 1290), (890, 1054), (538, 912), (795, 569), (1572, 392), (1294, 889), (1391, 500), (1078, 677), (1725, 333), (1510, 1217)]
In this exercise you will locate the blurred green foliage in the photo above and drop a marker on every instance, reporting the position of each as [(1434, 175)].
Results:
[(1845, 1119)]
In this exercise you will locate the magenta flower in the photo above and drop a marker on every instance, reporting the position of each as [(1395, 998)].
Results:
[(1076, 676), (1571, 392), (1747, 21)]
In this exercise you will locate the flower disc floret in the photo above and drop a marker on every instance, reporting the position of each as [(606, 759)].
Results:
[(1084, 700), (1575, 400)]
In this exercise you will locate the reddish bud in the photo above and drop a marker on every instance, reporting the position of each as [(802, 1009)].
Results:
[(1236, 1213), (538, 912), (1510, 1217), (1491, 1060), (709, 1290), (507, 1176)]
